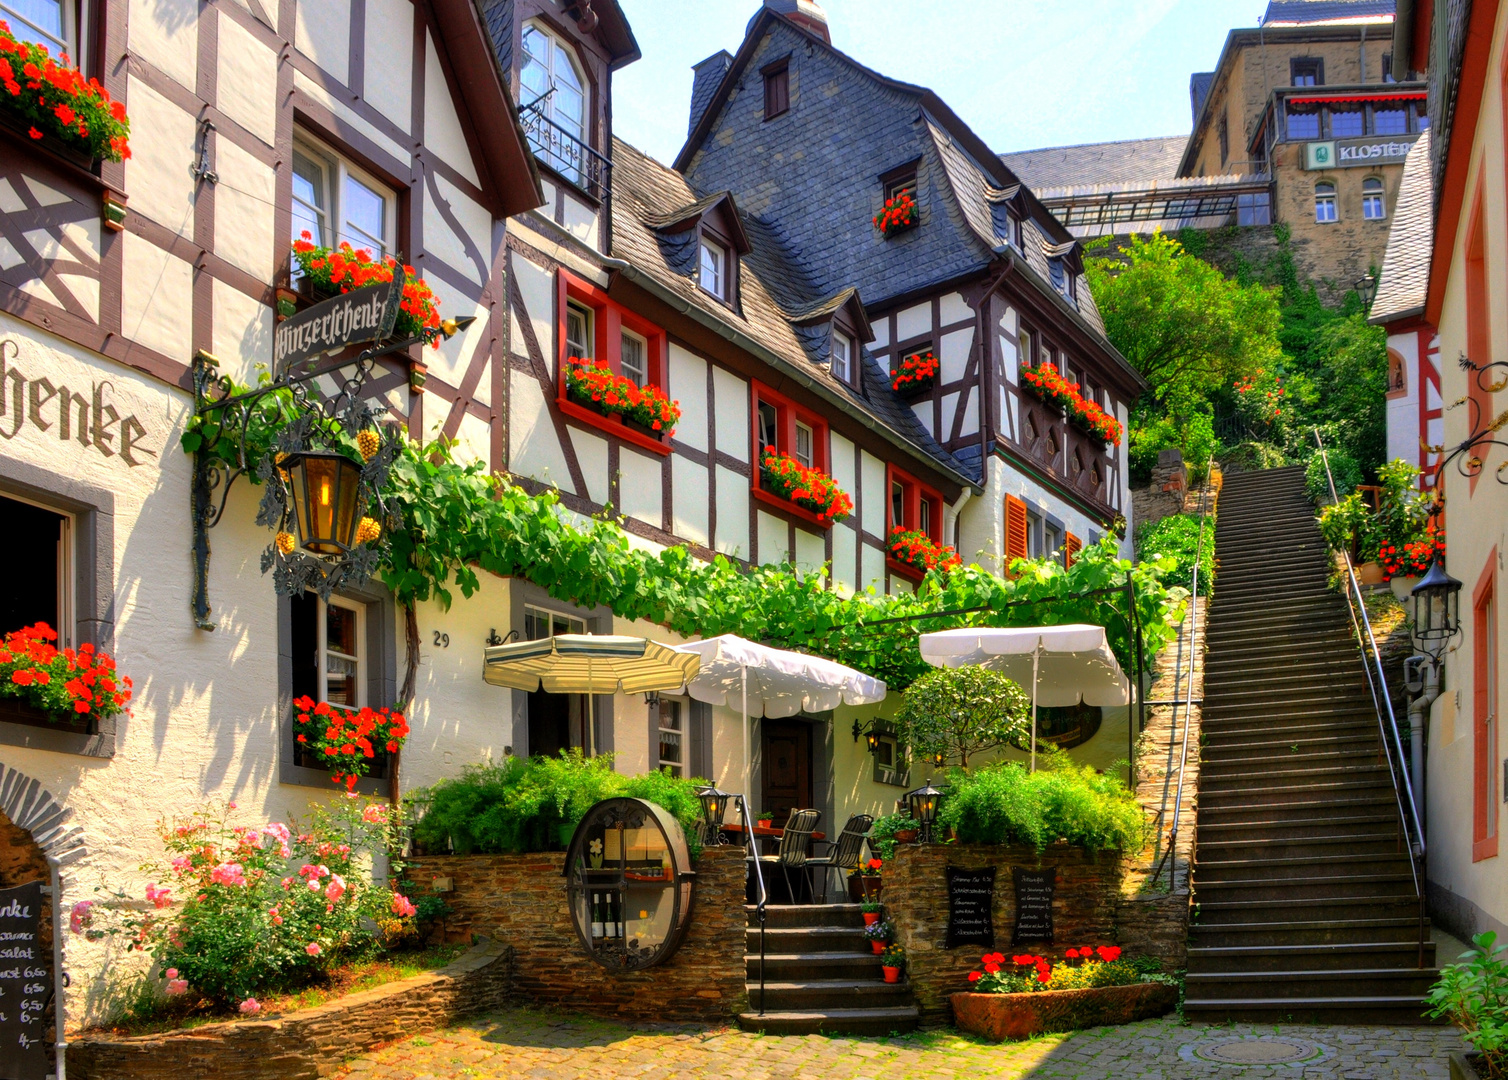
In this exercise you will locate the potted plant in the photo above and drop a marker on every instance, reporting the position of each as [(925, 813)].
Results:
[(60, 111), (65, 685), (646, 409), (919, 551), (329, 271), (765, 818), (879, 935), (869, 877), (1473, 994), (893, 962), (811, 489), (1028, 995), (871, 911), (886, 832), (916, 374), (898, 214)]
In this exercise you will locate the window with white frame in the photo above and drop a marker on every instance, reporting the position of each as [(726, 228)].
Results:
[(40, 539), (53, 23), (672, 741), (578, 330), (543, 623), (713, 275), (805, 441), (1324, 203), (1372, 207), (554, 86), (335, 201), (633, 358), (340, 653), (843, 356)]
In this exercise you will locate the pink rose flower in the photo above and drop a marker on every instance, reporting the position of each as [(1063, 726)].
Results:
[(375, 814), (79, 917), (251, 1006), (403, 906), (313, 948), (228, 874), (336, 889), (171, 973), (177, 987), (159, 896)]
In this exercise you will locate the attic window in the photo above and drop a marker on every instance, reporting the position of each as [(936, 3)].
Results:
[(844, 355), (713, 273), (896, 187), (1307, 71), (1063, 279), (777, 88)]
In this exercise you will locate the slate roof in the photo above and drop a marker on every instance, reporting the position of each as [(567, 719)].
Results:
[(1310, 12), (1137, 162), (775, 292), (1404, 280)]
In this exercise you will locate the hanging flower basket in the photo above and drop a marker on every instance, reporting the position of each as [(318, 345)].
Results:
[(348, 740), (897, 215), (64, 684), (918, 550), (332, 271), (56, 106), (916, 374), (595, 387), (811, 489)]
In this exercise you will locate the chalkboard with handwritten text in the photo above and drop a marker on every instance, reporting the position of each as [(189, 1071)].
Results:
[(1034, 893), (25, 985), (971, 895)]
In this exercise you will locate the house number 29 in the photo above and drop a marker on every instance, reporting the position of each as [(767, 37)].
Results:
[(442, 641)]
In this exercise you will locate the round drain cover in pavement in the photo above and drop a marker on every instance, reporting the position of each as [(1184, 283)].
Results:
[(1262, 1050)]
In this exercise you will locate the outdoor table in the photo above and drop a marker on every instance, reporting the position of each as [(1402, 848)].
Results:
[(766, 832)]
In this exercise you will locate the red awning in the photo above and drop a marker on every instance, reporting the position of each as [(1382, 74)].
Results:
[(1410, 95)]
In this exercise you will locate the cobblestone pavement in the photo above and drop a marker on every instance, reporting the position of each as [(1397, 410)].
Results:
[(546, 1046)]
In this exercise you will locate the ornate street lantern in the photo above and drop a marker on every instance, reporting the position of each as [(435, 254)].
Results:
[(923, 802), (323, 491), (714, 807), (1436, 609)]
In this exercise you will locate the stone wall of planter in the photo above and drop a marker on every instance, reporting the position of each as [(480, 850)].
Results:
[(916, 899), (308, 1043), (520, 901)]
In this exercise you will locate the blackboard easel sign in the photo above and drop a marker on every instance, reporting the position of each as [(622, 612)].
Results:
[(1034, 893), (25, 985), (971, 897)]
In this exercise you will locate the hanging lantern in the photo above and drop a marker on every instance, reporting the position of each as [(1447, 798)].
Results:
[(323, 490), (1437, 615)]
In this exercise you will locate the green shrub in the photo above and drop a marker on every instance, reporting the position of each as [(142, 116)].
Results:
[(1193, 434), (960, 712), (882, 832), (1178, 536), (1005, 804), (1401, 519), (1252, 456), (1343, 467), (1474, 995), (519, 805)]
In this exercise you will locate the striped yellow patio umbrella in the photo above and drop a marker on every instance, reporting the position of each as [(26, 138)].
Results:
[(589, 664)]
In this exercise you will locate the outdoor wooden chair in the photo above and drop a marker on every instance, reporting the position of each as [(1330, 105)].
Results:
[(793, 843), (845, 852)]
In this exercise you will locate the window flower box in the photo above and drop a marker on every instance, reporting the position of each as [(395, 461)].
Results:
[(916, 375), (329, 272), (1047, 385), (806, 488), (912, 553), (348, 741), (1020, 1016), (899, 213), (66, 686), (1095, 422), (57, 107), (644, 410)]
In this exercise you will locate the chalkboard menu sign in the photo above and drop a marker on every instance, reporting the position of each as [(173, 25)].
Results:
[(1034, 892), (25, 986), (971, 895)]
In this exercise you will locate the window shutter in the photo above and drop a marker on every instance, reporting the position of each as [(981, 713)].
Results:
[(1016, 546), (699, 755), (1071, 545)]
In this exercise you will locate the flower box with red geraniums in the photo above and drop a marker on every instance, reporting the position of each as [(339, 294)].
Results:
[(1412, 559), (332, 271), (348, 740), (64, 684), (916, 375), (52, 102), (898, 214), (594, 386), (1045, 383), (913, 553), (1096, 423), (809, 489), (1028, 994)]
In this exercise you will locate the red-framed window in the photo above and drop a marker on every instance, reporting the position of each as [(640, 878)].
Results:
[(1486, 796), (591, 326), (913, 506), (779, 422)]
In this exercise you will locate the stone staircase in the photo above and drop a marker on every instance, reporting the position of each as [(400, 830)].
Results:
[(821, 975), (1306, 905)]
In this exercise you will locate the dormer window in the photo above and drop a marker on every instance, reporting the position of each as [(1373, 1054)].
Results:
[(713, 274), (777, 88), (1063, 279), (554, 88), (845, 356)]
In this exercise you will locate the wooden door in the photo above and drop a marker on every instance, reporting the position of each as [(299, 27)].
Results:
[(787, 757)]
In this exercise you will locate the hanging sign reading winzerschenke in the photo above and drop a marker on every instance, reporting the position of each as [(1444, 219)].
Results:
[(25, 985), (352, 318)]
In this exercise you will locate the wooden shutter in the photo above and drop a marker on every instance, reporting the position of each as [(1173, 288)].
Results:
[(699, 732), (1016, 543), (1071, 545)]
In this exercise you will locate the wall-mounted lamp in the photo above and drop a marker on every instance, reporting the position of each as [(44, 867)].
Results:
[(652, 698), (870, 733)]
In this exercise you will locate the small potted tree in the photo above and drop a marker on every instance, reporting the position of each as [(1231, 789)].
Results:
[(962, 712), (893, 962)]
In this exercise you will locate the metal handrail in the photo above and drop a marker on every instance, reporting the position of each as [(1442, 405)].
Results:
[(1170, 855), (1381, 700), (764, 897)]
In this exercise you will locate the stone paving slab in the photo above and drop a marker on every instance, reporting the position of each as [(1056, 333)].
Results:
[(526, 1043)]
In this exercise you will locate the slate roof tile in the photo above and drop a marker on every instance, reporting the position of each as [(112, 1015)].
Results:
[(1404, 280), (1129, 161)]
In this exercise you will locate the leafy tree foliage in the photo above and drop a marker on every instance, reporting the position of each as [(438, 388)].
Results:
[(961, 712)]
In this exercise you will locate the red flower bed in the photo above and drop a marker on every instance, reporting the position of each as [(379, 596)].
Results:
[(899, 212), (810, 489), (338, 270), (1412, 559), (921, 551), (64, 683), (348, 739), (1046, 383), (57, 104), (915, 372), (596, 387)]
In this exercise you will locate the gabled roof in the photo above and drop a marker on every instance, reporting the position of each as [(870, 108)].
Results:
[(781, 317), (1404, 282), (690, 215), (823, 310), (1139, 162), (1313, 12)]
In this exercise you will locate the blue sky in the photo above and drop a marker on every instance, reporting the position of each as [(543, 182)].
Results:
[(1022, 73)]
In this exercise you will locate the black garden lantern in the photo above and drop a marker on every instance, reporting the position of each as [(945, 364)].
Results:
[(923, 802), (714, 807), (323, 490), (1437, 616)]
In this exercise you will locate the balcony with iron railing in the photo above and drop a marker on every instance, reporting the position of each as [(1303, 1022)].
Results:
[(564, 152)]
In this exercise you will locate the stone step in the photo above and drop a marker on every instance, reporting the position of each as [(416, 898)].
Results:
[(1368, 888), (1405, 1009), (795, 967), (1365, 954), (1279, 756), (1232, 931), (1305, 909), (799, 915), (1335, 982), (1290, 861), (1289, 795), (1232, 834), (809, 939), (824, 994), (833, 1021), (1302, 747), (1241, 730)]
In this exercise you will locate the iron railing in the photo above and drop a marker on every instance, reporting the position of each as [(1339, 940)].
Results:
[(764, 897), (564, 151), (1382, 702)]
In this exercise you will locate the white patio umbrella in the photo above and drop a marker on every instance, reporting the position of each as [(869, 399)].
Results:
[(773, 682), (1064, 664), (589, 664)]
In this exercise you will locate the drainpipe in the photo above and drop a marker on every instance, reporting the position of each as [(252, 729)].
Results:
[(1421, 676)]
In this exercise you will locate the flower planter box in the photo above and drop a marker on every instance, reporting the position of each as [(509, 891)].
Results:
[(1467, 1067), (914, 390), (23, 712), (1020, 1016)]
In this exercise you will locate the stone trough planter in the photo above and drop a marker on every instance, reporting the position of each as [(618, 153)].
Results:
[(1020, 1016), (1467, 1067)]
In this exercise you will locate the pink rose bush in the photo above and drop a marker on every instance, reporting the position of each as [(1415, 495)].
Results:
[(263, 908)]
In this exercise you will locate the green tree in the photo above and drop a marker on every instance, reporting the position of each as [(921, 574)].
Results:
[(959, 712)]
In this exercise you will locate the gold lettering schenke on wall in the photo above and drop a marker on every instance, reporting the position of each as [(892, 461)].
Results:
[(90, 419)]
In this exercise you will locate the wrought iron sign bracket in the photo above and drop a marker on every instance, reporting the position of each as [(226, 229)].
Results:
[(1469, 455)]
